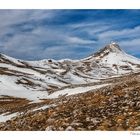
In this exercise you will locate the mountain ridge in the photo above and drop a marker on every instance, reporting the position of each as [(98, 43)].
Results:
[(99, 92), (48, 76)]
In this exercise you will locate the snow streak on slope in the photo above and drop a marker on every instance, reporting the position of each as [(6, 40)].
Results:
[(73, 91), (5, 117)]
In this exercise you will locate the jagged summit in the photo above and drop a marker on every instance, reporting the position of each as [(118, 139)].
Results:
[(112, 47)]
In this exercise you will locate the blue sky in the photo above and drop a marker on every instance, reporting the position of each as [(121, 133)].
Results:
[(74, 34)]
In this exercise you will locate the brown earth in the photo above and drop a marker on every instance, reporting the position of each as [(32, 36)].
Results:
[(112, 108)]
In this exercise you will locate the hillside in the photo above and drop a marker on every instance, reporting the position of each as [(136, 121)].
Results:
[(100, 92)]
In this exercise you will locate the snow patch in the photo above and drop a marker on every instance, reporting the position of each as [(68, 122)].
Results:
[(73, 91), (43, 107), (4, 117)]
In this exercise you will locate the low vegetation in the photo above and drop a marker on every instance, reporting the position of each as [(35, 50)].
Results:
[(113, 108)]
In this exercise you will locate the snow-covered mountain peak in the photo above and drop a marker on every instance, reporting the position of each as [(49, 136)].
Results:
[(114, 59), (110, 48), (114, 47), (50, 75)]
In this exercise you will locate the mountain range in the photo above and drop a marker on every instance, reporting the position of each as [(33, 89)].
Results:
[(37, 83), (45, 77)]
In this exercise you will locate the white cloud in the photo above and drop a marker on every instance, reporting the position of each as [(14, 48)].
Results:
[(132, 32), (77, 40), (9, 17), (63, 39), (132, 46)]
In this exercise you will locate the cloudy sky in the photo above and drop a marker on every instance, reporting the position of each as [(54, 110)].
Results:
[(58, 34)]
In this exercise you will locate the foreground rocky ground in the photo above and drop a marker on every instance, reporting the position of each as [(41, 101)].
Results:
[(112, 108)]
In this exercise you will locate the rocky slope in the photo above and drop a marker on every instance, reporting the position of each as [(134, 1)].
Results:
[(113, 108), (100, 92)]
